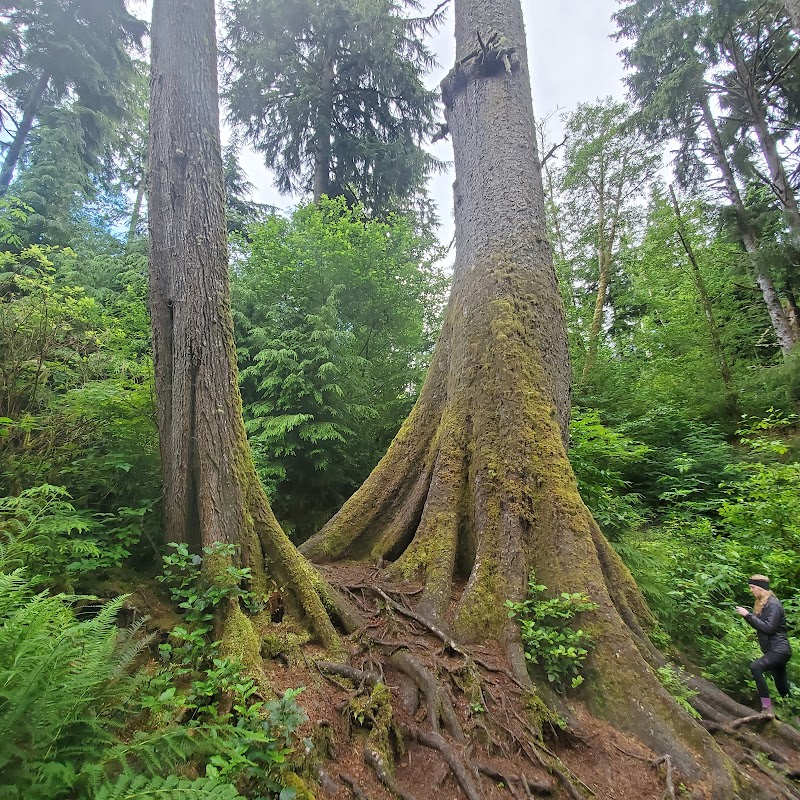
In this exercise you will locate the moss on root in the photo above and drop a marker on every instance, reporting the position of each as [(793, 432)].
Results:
[(374, 712), (239, 640), (293, 781)]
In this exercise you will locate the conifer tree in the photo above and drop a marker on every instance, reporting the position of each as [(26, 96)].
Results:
[(331, 93), (76, 51)]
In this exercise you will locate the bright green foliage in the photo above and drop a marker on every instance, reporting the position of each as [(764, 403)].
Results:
[(43, 532), (253, 739), (192, 590), (549, 640), (75, 401), (63, 682), (335, 319), (693, 570), (331, 93), (762, 510), (600, 456), (171, 788)]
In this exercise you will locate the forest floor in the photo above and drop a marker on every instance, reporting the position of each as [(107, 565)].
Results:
[(457, 723)]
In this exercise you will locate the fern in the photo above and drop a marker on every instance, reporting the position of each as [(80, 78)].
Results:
[(62, 684), (128, 787)]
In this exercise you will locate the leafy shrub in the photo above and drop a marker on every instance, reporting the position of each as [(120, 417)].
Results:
[(600, 456), (254, 739), (693, 569), (684, 464), (42, 531), (548, 638)]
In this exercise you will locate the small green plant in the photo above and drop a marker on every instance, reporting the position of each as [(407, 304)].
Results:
[(547, 636), (671, 678), (255, 738), (194, 592), (42, 531)]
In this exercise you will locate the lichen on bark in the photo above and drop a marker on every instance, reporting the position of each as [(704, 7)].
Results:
[(477, 490), (211, 490)]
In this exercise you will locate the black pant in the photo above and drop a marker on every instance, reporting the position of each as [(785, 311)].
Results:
[(776, 664)]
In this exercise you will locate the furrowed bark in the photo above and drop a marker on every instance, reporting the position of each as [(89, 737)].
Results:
[(490, 428), (211, 490)]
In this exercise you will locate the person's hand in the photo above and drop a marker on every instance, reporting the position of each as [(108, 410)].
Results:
[(741, 610)]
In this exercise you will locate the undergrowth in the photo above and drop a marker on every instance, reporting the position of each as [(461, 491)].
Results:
[(548, 638), (85, 712)]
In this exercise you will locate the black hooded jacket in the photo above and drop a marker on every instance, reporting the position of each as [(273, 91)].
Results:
[(771, 627)]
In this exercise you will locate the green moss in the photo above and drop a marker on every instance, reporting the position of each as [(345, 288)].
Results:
[(240, 641), (280, 641), (374, 712), (293, 781)]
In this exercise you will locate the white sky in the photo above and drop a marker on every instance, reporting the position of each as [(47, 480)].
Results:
[(572, 61)]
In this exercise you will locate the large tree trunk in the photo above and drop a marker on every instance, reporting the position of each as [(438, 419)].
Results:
[(23, 131), (211, 490), (777, 315), (477, 490)]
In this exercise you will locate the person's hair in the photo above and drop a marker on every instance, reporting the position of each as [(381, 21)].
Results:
[(761, 601)]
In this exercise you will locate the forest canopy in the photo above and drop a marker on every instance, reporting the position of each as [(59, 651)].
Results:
[(299, 498)]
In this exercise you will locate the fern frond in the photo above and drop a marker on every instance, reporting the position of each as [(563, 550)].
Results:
[(136, 787)]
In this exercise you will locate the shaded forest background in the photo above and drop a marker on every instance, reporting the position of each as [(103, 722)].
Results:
[(676, 235)]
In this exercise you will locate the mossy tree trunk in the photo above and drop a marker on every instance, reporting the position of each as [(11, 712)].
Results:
[(476, 490), (211, 490)]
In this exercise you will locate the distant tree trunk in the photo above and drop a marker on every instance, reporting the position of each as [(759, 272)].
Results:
[(779, 180), (793, 7), (23, 131), (476, 490), (705, 301), (323, 139), (605, 254), (136, 214), (777, 315), (211, 490)]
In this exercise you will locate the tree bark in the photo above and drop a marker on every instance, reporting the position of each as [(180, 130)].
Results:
[(605, 255), (23, 131), (137, 206), (476, 490), (793, 7), (777, 315), (211, 490), (705, 301)]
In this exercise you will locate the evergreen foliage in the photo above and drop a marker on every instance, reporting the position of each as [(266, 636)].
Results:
[(332, 94), (335, 316)]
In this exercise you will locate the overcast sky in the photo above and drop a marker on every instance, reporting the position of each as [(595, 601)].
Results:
[(572, 61)]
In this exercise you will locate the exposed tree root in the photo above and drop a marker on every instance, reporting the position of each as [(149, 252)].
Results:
[(376, 761), (779, 780), (352, 784), (462, 773), (528, 785)]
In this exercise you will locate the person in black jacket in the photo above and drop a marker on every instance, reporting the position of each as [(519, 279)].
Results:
[(769, 620)]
